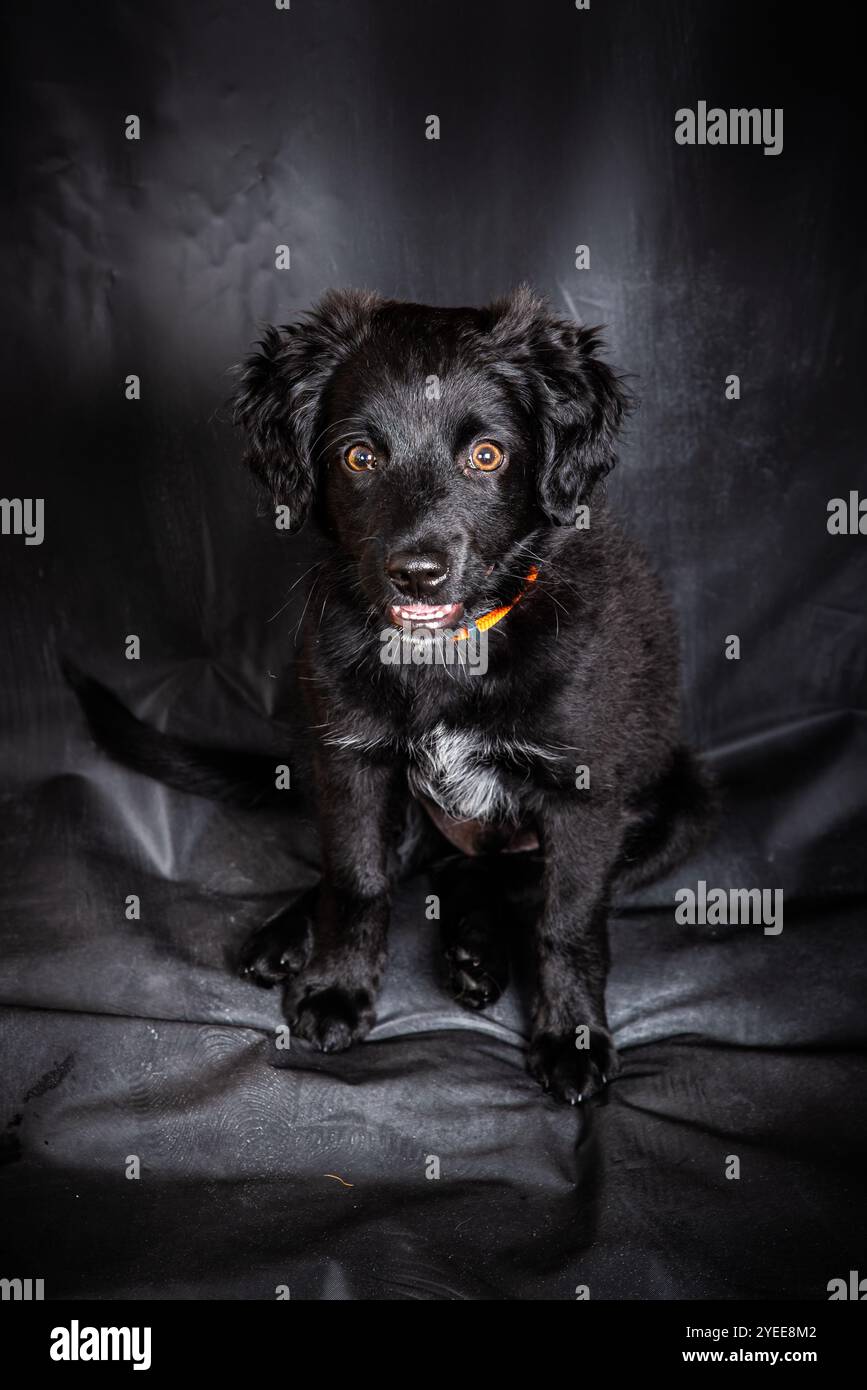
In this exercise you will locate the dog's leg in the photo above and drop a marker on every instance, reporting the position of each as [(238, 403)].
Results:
[(572, 1053), (361, 811), (330, 953), (668, 822)]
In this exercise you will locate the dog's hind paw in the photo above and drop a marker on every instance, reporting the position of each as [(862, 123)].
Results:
[(477, 961), (572, 1073), (332, 1018), (277, 951), (476, 979)]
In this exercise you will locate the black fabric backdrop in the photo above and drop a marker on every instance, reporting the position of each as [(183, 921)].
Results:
[(307, 128)]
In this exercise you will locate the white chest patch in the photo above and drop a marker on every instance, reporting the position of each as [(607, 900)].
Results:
[(466, 773), (457, 772), (470, 775)]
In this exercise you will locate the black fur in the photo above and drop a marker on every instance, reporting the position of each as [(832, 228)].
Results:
[(582, 671)]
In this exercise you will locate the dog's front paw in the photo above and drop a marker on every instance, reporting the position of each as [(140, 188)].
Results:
[(570, 1072), (332, 1018)]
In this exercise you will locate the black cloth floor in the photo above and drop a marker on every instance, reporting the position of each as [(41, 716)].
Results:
[(263, 1167)]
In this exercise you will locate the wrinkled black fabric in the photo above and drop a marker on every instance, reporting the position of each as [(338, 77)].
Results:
[(123, 1038)]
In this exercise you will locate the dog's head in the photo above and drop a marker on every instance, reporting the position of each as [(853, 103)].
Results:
[(430, 443)]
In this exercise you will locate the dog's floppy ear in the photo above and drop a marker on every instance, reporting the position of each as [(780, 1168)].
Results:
[(279, 394), (576, 399)]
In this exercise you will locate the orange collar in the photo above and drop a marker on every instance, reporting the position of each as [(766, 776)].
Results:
[(496, 614)]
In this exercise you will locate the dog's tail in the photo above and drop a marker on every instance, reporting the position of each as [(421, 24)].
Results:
[(672, 818), (240, 779)]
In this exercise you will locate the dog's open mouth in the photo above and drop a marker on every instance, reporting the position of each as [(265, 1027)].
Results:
[(431, 615)]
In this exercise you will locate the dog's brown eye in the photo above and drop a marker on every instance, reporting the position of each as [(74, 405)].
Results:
[(360, 458), (486, 456)]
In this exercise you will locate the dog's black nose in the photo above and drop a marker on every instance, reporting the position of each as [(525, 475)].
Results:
[(417, 573)]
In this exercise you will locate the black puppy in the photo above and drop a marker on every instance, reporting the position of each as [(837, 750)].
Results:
[(446, 455), (451, 458)]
